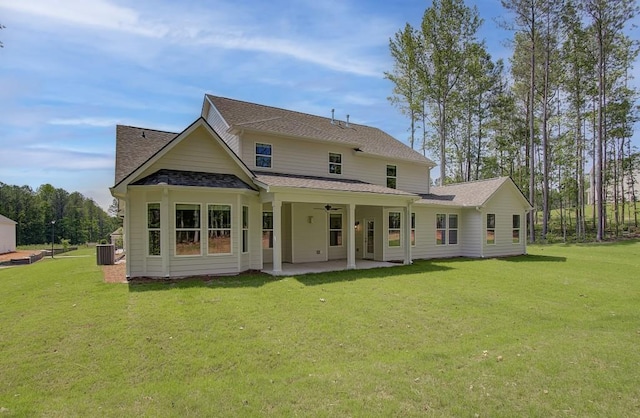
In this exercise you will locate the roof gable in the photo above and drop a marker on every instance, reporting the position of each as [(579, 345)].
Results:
[(134, 146), (158, 145), (472, 193), (241, 115)]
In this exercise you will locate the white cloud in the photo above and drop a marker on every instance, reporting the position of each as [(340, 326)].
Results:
[(333, 57), (94, 13), (46, 157), (360, 100), (326, 43), (96, 122)]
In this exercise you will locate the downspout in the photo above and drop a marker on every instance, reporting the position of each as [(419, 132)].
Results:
[(239, 234), (126, 227), (482, 228)]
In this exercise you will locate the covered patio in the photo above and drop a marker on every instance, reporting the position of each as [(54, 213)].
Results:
[(289, 269), (301, 208)]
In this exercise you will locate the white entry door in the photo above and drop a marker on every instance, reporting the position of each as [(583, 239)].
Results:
[(369, 239)]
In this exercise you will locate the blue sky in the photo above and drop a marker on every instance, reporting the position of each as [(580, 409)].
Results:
[(70, 70)]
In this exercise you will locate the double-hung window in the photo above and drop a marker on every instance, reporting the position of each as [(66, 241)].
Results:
[(441, 229), (219, 229), (267, 230), (245, 229), (392, 176), (413, 229), (263, 155), (446, 229), (453, 229), (335, 163), (187, 229), (395, 229), (153, 228), (335, 230), (515, 233), (491, 228)]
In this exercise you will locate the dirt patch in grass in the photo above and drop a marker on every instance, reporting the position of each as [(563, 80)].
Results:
[(116, 273)]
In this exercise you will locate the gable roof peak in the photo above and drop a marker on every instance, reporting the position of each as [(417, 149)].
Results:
[(471, 193)]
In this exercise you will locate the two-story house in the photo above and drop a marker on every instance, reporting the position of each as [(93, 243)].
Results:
[(250, 187)]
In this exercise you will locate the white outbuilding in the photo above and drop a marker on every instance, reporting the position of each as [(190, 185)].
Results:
[(7, 235)]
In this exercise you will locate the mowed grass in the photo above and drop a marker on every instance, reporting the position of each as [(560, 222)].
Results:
[(556, 333)]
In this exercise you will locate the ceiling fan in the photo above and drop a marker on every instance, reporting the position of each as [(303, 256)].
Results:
[(328, 208)]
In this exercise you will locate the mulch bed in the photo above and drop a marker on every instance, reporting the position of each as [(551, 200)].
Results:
[(17, 254), (116, 273)]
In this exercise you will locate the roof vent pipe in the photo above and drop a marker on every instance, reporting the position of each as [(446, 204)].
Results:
[(347, 121), (333, 120)]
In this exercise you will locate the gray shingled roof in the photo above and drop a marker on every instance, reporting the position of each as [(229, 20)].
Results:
[(134, 146), (324, 183), (193, 178), (469, 194), (245, 115)]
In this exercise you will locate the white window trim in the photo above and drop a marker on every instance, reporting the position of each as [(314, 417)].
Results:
[(389, 212), (446, 229), (486, 229), (414, 227), (255, 155), (332, 230), (387, 177), (245, 229), (175, 230), (456, 229), (519, 228), (220, 229), (336, 164), (446, 217), (262, 229), (154, 229)]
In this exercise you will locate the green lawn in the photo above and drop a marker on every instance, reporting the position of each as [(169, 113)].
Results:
[(556, 333)]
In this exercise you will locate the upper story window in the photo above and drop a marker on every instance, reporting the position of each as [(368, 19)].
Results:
[(391, 176), (335, 163), (263, 155)]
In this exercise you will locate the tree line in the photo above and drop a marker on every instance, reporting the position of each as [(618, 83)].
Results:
[(77, 218), (559, 120)]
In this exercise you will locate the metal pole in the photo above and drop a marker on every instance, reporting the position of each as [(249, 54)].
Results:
[(53, 228)]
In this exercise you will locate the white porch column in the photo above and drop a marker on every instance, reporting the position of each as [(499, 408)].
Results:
[(277, 235), (351, 236), (407, 235)]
